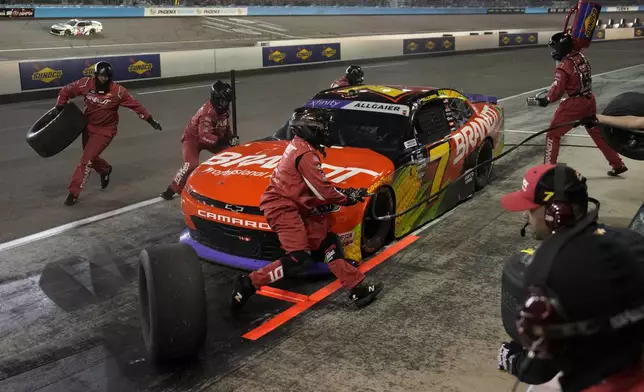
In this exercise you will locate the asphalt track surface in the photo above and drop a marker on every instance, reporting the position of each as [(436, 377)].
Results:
[(31, 39), (68, 309)]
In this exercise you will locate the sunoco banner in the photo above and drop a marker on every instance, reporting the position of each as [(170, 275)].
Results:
[(429, 45), (522, 39), (300, 54), (208, 11), (57, 73), (506, 10)]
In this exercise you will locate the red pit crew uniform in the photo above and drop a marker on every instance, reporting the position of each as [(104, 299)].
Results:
[(206, 131), (297, 186), (573, 77), (102, 122)]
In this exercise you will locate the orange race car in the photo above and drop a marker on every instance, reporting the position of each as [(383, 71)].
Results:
[(403, 143)]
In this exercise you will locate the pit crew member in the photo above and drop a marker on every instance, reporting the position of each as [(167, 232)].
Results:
[(103, 97), (354, 76), (602, 262), (296, 188), (209, 129), (573, 78)]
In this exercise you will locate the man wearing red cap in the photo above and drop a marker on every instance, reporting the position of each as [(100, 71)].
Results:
[(605, 264)]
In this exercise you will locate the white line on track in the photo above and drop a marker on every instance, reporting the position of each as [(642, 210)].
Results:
[(178, 89), (93, 219), (114, 45), (532, 133)]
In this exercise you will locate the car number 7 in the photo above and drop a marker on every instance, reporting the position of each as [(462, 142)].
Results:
[(441, 154)]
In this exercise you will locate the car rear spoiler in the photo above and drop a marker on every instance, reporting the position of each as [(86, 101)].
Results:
[(476, 98)]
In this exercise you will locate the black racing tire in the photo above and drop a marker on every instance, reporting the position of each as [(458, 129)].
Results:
[(482, 174), (68, 32), (172, 302), (375, 233), (512, 294), (53, 133), (92, 32), (628, 144)]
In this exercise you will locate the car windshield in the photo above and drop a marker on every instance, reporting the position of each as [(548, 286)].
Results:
[(71, 22), (354, 128)]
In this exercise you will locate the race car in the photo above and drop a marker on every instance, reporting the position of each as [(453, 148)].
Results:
[(77, 27), (404, 143)]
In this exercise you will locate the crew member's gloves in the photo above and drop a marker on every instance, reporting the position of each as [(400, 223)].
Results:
[(234, 141), (354, 196), (589, 121), (542, 101), (154, 124), (508, 355)]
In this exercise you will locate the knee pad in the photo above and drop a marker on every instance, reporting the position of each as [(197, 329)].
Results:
[(332, 248), (295, 263)]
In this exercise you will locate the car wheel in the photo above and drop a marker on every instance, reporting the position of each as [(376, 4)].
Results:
[(628, 144), (92, 32), (53, 133), (512, 294), (172, 302), (375, 233), (68, 32), (483, 172)]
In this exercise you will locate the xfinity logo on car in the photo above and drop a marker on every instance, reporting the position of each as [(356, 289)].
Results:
[(235, 221)]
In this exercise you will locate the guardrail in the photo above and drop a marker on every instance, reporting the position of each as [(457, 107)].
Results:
[(46, 12), (23, 77)]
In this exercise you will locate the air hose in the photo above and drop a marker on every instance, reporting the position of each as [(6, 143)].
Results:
[(433, 197)]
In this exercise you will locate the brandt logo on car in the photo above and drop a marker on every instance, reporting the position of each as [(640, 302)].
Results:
[(234, 221)]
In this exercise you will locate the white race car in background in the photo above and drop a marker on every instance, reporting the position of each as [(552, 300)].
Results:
[(77, 27)]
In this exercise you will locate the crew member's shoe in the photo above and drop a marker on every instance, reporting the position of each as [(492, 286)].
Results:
[(105, 178), (242, 290), (365, 292), (617, 171), (167, 194), (71, 200)]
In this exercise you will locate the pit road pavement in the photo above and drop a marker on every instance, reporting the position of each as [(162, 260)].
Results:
[(68, 311), (21, 40)]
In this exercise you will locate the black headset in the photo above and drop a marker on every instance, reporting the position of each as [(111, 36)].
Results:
[(559, 212)]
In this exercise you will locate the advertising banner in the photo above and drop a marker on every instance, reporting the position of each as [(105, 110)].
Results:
[(429, 45), (638, 32), (623, 8), (519, 39), (57, 73), (506, 10), (558, 10), (599, 35), (300, 54), (184, 11), (17, 12)]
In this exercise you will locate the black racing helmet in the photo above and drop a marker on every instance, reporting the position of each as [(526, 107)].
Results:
[(561, 44), (221, 94), (312, 125), (103, 68), (355, 74)]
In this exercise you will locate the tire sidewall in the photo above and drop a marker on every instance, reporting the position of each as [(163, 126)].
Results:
[(371, 246), (478, 182)]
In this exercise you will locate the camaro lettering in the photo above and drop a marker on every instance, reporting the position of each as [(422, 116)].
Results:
[(235, 221), (474, 132), (227, 159)]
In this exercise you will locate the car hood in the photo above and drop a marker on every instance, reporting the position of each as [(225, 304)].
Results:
[(239, 175)]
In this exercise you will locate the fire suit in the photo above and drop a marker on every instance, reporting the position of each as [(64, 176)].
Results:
[(573, 78), (630, 380), (102, 115), (342, 82), (297, 186), (207, 130)]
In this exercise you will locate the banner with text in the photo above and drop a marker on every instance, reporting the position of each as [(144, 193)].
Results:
[(638, 32), (558, 10), (429, 45), (506, 10), (57, 73), (17, 12), (519, 39), (300, 54), (599, 35), (181, 11)]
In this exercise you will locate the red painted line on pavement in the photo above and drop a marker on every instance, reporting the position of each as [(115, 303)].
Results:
[(285, 295), (283, 317)]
